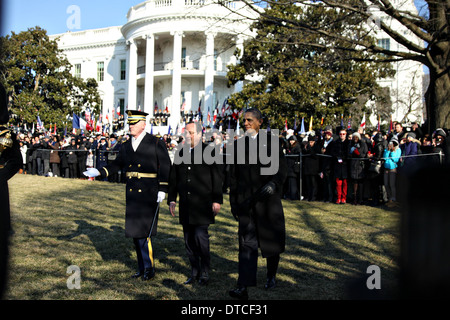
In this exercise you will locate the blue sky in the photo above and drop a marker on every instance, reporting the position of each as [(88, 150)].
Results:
[(19, 15)]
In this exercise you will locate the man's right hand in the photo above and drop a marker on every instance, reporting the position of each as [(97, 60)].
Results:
[(172, 207)]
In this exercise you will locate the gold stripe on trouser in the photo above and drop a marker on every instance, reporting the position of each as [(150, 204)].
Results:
[(150, 251)]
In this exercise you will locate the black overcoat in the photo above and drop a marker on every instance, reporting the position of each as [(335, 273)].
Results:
[(340, 154), (151, 157), (198, 186), (246, 182)]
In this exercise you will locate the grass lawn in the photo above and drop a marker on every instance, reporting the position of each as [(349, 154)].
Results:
[(62, 222)]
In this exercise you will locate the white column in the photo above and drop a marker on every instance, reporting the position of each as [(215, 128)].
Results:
[(239, 45), (209, 75), (149, 69), (132, 76), (176, 79)]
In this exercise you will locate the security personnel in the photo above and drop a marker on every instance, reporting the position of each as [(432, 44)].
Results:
[(10, 163), (255, 200), (146, 163), (199, 186)]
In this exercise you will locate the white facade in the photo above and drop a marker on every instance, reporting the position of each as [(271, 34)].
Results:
[(175, 51)]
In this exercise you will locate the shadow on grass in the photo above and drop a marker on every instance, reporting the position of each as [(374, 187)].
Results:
[(325, 265)]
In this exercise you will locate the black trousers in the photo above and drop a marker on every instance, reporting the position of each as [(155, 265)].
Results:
[(144, 253), (248, 256), (196, 240)]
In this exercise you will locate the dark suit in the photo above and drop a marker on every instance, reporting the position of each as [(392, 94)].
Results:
[(10, 163), (147, 172), (198, 186), (261, 221)]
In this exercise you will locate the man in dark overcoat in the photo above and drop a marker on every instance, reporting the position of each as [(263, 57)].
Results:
[(199, 186), (255, 199), (145, 162), (10, 163)]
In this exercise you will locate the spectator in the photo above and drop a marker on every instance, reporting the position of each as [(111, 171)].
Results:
[(375, 170), (391, 156), (340, 153), (311, 166), (54, 156), (358, 150), (326, 163), (72, 159), (293, 168)]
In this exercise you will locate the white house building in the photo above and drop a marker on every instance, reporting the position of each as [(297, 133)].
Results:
[(172, 55)]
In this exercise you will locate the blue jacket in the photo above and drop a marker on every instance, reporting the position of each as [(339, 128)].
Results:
[(391, 158)]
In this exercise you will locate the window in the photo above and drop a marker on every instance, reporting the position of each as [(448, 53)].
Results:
[(123, 69), (384, 43), (122, 106), (100, 71), (183, 57), (77, 73)]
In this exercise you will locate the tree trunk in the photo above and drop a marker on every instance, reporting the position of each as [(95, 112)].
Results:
[(438, 101)]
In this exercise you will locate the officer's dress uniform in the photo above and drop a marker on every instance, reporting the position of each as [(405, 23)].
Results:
[(146, 164), (198, 186)]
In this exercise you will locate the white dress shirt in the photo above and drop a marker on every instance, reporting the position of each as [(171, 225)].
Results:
[(135, 142)]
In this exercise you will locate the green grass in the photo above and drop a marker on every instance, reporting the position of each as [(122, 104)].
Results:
[(61, 222)]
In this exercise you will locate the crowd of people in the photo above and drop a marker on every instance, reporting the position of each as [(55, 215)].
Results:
[(358, 167), (339, 166)]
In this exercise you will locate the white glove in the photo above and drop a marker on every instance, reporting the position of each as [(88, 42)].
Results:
[(91, 173), (161, 196)]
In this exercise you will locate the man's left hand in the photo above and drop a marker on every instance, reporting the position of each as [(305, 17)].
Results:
[(216, 208)]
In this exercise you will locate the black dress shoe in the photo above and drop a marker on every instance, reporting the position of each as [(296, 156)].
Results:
[(270, 283), (204, 279), (137, 274), (239, 293), (149, 274), (191, 280)]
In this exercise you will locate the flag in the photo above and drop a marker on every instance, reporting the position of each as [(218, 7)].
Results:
[(215, 114), (183, 105), (209, 117), (379, 123), (87, 115), (151, 128), (302, 128), (65, 130), (311, 124), (168, 132), (78, 123), (390, 126), (285, 125), (54, 130), (39, 123), (363, 121), (237, 127), (349, 124)]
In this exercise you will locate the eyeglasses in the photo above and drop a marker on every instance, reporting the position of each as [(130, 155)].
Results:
[(342, 134)]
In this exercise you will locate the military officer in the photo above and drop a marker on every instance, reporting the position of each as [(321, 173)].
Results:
[(146, 162), (10, 163), (199, 186), (255, 200)]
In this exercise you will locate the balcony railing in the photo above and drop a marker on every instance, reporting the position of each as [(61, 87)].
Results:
[(195, 65)]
